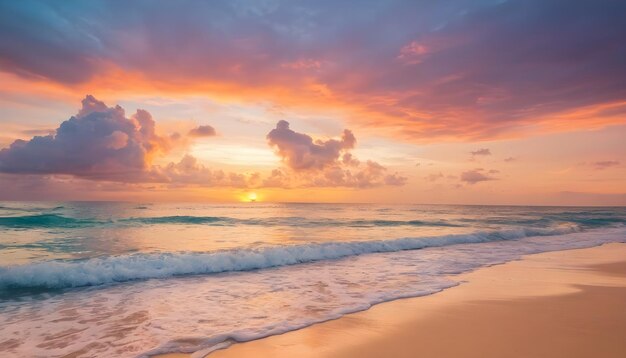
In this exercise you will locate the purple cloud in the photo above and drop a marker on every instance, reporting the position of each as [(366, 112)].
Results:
[(300, 152), (99, 142), (323, 163)]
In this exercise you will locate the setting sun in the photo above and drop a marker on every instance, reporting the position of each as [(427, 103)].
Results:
[(252, 197)]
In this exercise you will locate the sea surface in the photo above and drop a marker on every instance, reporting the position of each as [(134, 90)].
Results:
[(102, 279)]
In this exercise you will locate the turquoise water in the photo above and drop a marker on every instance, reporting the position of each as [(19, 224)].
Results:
[(83, 270), (33, 232)]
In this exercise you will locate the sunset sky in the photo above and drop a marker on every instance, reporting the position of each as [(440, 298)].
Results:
[(459, 102)]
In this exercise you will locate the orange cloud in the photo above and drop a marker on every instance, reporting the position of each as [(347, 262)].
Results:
[(445, 77)]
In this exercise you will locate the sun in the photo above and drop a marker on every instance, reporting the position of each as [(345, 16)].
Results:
[(252, 197)]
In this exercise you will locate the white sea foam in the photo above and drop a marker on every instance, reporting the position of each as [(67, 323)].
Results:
[(113, 269), (203, 313)]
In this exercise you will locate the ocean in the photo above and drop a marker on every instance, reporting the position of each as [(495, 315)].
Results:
[(108, 279)]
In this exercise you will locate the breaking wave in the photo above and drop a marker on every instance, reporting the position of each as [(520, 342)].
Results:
[(141, 266)]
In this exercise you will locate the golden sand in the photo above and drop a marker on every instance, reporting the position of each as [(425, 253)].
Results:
[(558, 304)]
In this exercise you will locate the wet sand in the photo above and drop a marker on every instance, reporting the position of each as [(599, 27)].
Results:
[(558, 304)]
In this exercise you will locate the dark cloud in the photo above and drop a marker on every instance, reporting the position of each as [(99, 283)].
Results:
[(202, 131), (51, 40), (474, 176), (482, 151)]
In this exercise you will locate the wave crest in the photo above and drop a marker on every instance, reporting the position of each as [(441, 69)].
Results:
[(141, 266)]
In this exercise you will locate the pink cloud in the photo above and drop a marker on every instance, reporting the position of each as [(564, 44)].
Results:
[(202, 131), (298, 151), (474, 176), (188, 171), (323, 163)]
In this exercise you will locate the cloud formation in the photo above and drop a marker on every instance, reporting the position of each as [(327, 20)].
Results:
[(101, 143), (454, 69), (323, 163), (475, 176), (298, 151), (98, 142)]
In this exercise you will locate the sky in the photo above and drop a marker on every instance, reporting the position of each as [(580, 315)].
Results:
[(518, 102)]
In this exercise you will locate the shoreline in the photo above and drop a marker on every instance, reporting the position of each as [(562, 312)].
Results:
[(569, 303)]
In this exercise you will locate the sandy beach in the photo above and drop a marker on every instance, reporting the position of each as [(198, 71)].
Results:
[(558, 304)]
